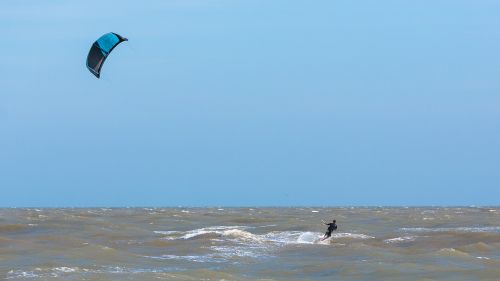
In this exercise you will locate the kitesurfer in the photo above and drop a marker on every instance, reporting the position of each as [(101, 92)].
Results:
[(331, 227)]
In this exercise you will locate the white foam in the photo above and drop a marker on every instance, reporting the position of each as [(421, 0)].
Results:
[(50, 273), (167, 232), (229, 242), (483, 258), (19, 274), (200, 258), (400, 239), (16, 274), (219, 230), (124, 270), (328, 242), (299, 237), (66, 269), (268, 225), (307, 238), (227, 252), (495, 229), (351, 235), (241, 234), (292, 237)]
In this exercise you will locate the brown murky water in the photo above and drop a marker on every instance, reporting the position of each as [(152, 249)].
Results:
[(250, 244)]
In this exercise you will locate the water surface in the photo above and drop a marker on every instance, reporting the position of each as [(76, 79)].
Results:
[(250, 244)]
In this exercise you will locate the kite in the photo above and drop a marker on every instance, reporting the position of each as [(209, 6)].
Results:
[(100, 50)]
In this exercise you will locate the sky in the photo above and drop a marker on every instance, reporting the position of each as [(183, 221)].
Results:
[(251, 103)]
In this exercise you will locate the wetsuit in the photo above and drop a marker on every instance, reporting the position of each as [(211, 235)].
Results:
[(331, 227)]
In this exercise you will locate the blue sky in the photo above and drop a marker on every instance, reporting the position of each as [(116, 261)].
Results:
[(253, 103)]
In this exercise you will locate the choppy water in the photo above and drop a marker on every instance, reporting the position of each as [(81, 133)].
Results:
[(250, 244)]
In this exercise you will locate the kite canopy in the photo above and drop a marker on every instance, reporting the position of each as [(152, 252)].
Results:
[(100, 50)]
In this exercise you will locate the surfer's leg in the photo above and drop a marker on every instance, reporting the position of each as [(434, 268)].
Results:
[(326, 236)]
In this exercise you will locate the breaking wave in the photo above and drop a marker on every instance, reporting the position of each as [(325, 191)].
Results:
[(242, 234)]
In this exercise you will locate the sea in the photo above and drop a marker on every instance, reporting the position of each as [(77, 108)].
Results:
[(371, 243)]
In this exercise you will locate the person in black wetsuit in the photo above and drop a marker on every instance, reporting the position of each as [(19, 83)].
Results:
[(331, 227)]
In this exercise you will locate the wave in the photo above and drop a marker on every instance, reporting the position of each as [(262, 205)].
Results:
[(217, 231), (480, 247), (17, 227), (236, 242), (65, 269), (300, 237), (200, 258), (494, 229), (483, 258), (351, 235), (242, 234), (65, 272), (208, 232), (167, 232), (452, 252), (401, 239), (292, 237)]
